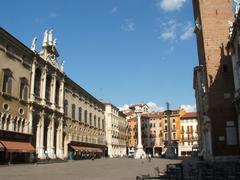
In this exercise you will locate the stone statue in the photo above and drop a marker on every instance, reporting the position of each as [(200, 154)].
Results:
[(236, 7), (33, 47), (62, 66), (50, 38), (54, 42), (230, 25), (45, 38)]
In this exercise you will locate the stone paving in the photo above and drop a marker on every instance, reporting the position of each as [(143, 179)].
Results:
[(98, 169)]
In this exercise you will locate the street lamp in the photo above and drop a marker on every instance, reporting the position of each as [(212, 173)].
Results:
[(170, 150), (140, 152)]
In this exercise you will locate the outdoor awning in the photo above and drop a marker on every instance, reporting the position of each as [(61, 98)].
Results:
[(86, 149), (14, 146)]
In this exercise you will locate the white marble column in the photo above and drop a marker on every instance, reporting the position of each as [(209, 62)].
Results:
[(61, 154), (61, 95), (43, 84), (140, 152), (32, 80), (41, 142), (52, 147), (38, 134), (11, 125), (30, 121), (139, 131), (53, 90)]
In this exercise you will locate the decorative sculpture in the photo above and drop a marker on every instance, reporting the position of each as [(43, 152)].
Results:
[(50, 38), (236, 7), (230, 24), (33, 47), (45, 38), (62, 66)]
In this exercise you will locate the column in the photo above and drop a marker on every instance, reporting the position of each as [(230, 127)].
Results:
[(170, 151), (41, 146), (52, 148), (32, 80), (139, 131), (38, 134), (53, 90), (43, 84), (61, 95), (1, 117), (11, 125), (29, 129), (61, 139)]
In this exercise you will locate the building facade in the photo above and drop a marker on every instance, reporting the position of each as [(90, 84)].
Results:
[(84, 129), (44, 114), (234, 46), (15, 77), (213, 81), (116, 131), (188, 134), (154, 131)]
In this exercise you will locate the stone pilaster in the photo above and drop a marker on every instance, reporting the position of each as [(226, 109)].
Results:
[(61, 95), (41, 154), (52, 147), (53, 90), (32, 80), (43, 84)]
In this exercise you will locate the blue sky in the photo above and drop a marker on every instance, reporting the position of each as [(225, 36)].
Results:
[(122, 51)]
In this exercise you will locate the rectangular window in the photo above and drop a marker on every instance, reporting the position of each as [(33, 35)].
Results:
[(99, 123), (73, 111), (90, 119), (7, 81), (80, 114), (85, 116), (103, 124), (95, 121)]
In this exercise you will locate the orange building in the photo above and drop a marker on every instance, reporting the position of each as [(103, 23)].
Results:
[(154, 131)]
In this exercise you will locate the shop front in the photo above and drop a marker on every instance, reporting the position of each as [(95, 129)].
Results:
[(14, 148), (78, 150)]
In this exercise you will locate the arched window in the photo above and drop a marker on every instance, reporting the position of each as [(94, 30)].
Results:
[(23, 89), (66, 107), (7, 81)]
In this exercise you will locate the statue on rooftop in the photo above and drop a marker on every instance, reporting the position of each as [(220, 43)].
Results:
[(45, 38), (33, 47), (50, 38)]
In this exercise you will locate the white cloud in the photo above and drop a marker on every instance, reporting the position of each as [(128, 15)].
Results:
[(53, 15), (169, 30), (124, 107), (170, 5), (172, 30), (187, 32), (128, 25), (188, 107), (153, 107), (114, 10)]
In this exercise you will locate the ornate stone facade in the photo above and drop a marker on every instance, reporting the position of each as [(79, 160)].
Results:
[(42, 106)]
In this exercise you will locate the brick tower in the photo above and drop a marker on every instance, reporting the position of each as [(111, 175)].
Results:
[(213, 80)]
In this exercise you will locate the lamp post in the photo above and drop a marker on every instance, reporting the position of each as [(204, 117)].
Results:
[(170, 150), (140, 152)]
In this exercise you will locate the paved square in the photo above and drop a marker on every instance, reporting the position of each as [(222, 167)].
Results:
[(100, 169)]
